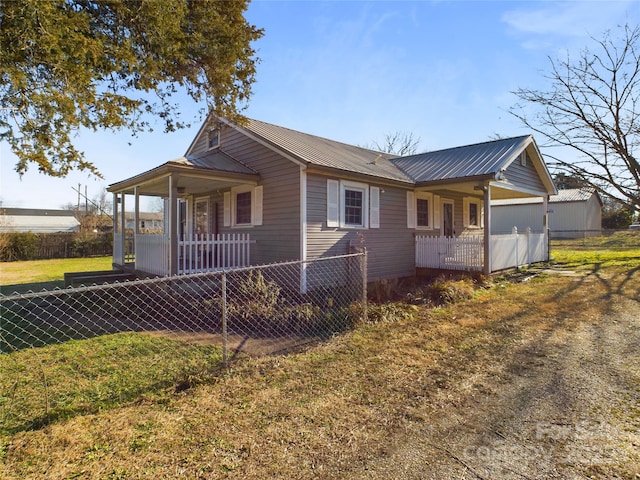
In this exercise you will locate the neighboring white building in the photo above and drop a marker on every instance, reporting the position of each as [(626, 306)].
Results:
[(37, 220), (573, 213)]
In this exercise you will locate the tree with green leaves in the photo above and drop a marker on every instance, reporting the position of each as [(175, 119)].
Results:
[(115, 65), (592, 106)]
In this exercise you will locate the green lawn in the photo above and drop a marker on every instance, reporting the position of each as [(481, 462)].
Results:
[(38, 271)]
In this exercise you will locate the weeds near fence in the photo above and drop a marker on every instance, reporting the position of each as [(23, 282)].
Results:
[(81, 350)]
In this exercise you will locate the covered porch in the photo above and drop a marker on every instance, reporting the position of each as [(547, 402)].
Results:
[(188, 238), (476, 247)]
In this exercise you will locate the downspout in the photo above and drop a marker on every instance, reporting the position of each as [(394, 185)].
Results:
[(487, 228)]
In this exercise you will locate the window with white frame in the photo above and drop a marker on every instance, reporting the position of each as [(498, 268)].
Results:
[(214, 138), (472, 212), (243, 206), (420, 210), (201, 217), (352, 204)]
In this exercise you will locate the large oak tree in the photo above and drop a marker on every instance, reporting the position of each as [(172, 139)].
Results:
[(592, 106), (115, 64)]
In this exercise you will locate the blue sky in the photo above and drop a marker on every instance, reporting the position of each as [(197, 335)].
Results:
[(356, 70)]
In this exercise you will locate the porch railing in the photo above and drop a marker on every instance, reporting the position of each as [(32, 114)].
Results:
[(467, 253), (450, 253), (152, 254), (518, 248), (202, 253)]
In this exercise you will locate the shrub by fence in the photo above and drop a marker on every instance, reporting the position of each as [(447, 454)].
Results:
[(35, 246), (76, 350)]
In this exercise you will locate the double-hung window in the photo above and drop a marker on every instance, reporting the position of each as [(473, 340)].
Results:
[(214, 138), (421, 210), (243, 206), (472, 212), (352, 204)]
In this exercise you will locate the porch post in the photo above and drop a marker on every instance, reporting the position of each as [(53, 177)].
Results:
[(487, 229), (173, 225), (545, 226), (136, 205), (119, 261), (123, 227)]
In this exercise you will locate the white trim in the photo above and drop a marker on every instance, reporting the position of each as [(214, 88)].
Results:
[(216, 131), (227, 209), (466, 212), (411, 210), (333, 203), (356, 187), (429, 198), (374, 207), (231, 206), (196, 201), (257, 206)]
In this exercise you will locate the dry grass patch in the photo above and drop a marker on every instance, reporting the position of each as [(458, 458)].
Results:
[(325, 413)]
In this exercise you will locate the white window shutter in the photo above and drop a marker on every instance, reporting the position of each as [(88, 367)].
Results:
[(465, 212), (481, 217), (436, 211), (333, 210), (374, 207), (257, 205), (227, 209), (411, 210)]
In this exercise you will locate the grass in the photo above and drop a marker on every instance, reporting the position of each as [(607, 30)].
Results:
[(315, 414), (38, 271), (82, 377), (617, 252)]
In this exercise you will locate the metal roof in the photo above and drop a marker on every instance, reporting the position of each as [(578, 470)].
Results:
[(214, 160), (323, 152), (481, 159), (37, 220)]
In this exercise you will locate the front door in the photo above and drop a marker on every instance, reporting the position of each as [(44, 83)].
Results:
[(447, 218)]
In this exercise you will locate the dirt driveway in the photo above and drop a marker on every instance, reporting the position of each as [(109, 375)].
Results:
[(565, 404)]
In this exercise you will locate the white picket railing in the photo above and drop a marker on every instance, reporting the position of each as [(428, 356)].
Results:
[(202, 253), (450, 253), (467, 253)]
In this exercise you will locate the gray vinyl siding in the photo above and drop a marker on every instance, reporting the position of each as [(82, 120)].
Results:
[(278, 238), (458, 214), (525, 176), (505, 217), (390, 248)]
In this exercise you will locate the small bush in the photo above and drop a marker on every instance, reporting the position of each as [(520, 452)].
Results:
[(449, 290)]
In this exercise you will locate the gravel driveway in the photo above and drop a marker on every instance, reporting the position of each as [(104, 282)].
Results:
[(564, 403)]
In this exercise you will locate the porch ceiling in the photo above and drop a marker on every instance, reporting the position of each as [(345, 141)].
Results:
[(189, 181), (499, 190)]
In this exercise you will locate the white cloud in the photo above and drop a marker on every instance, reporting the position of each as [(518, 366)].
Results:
[(568, 19)]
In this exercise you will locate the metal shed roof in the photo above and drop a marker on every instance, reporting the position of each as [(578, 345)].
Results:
[(481, 159), (324, 152)]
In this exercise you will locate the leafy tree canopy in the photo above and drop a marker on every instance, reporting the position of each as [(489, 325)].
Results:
[(115, 64)]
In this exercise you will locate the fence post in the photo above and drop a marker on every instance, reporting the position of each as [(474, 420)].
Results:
[(514, 231), (225, 353), (364, 285)]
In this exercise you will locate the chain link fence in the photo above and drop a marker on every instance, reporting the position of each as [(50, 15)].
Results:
[(83, 349)]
